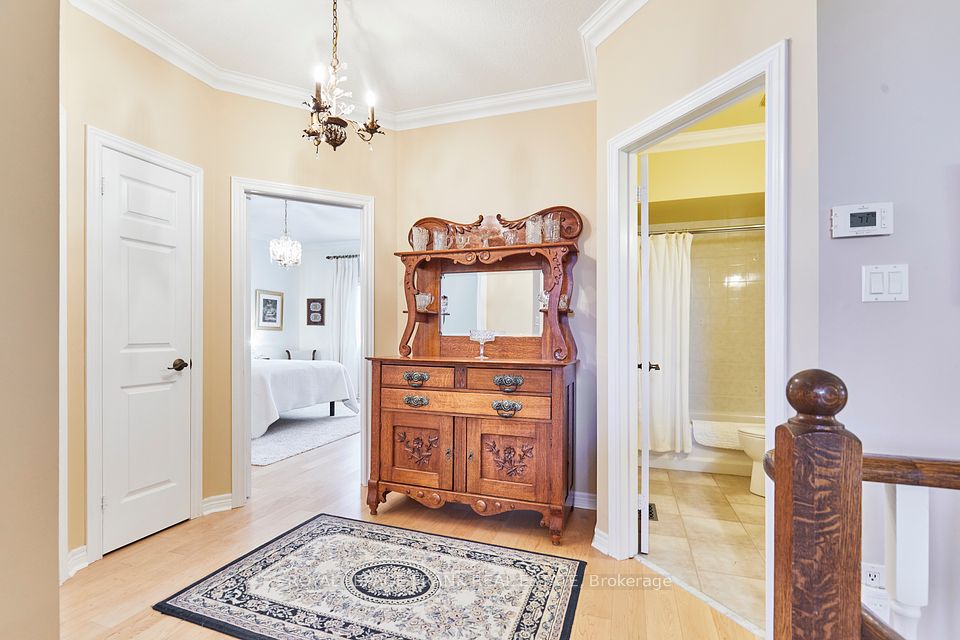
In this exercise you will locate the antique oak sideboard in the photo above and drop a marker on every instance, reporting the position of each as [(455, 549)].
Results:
[(496, 434)]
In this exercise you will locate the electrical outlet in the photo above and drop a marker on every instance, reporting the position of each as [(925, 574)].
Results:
[(872, 575)]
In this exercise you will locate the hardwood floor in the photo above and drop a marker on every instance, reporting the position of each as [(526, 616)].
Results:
[(113, 597)]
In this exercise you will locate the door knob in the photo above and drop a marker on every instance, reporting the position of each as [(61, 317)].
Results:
[(179, 365)]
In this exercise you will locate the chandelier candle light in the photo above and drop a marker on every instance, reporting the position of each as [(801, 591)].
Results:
[(285, 251), (329, 114)]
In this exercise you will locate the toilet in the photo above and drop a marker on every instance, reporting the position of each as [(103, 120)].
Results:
[(754, 443)]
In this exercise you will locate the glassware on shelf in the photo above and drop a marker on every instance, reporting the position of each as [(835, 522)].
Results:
[(421, 236), (482, 336), (551, 228), (424, 300), (441, 239), (509, 236), (534, 229)]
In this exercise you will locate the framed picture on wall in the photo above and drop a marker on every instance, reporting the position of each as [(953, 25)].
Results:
[(316, 312), (269, 310)]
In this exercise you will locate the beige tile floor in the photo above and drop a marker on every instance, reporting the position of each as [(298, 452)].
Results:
[(710, 534)]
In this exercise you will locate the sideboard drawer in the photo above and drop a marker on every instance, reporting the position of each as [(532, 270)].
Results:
[(416, 377), (467, 403), (509, 380)]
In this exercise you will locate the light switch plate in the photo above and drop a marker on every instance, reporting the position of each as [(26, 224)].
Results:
[(885, 283)]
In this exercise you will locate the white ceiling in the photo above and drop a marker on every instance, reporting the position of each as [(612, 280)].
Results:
[(306, 222), (436, 59)]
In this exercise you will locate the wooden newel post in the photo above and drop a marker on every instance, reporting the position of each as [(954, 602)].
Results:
[(818, 493)]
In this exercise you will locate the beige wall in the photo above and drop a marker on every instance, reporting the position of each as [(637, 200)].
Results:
[(29, 266), (667, 50), (111, 83), (516, 165)]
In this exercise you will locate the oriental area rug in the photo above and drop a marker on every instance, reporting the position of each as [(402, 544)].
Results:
[(334, 577)]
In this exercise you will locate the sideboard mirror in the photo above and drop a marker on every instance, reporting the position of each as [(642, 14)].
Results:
[(506, 302)]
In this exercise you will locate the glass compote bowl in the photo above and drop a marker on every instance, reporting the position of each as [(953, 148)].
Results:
[(482, 336)]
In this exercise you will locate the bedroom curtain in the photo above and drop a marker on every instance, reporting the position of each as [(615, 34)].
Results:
[(346, 317), (670, 428)]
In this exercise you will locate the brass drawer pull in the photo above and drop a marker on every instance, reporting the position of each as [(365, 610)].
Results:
[(416, 401), (416, 378), (506, 408), (508, 384)]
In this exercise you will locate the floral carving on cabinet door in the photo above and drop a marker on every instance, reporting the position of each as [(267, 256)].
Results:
[(418, 450), (510, 460)]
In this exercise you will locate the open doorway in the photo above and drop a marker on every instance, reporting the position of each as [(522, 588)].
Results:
[(629, 385), (702, 205), (302, 317), (305, 326)]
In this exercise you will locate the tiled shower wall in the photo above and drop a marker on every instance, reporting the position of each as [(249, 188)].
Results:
[(726, 325)]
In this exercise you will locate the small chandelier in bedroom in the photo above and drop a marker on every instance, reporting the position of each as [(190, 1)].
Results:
[(285, 251), (329, 115)]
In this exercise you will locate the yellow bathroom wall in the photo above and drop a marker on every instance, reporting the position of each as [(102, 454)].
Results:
[(707, 171)]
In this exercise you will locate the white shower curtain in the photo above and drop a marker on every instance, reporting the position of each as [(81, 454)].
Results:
[(670, 428), (346, 317)]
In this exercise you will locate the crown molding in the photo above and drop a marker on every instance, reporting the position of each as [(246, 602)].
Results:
[(497, 105), (608, 17), (598, 27), (712, 138), (128, 23)]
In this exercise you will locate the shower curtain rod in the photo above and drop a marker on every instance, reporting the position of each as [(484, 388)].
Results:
[(744, 227)]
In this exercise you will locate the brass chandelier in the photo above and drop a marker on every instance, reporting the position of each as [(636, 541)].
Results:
[(329, 114)]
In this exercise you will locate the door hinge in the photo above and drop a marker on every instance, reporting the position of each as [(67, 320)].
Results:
[(103, 502), (641, 194), (103, 186)]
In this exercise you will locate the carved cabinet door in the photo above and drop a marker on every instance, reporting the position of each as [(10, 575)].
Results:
[(417, 449), (508, 458)]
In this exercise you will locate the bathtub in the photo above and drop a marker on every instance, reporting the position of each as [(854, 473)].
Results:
[(716, 447)]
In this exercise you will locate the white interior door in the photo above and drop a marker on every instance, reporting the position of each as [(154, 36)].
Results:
[(643, 355), (146, 327)]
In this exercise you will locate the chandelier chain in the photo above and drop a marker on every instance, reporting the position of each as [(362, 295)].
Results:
[(335, 63)]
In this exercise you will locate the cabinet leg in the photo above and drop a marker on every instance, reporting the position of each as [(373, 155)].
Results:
[(556, 525), (375, 497)]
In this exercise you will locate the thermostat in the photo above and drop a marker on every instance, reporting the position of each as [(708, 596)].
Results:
[(873, 219)]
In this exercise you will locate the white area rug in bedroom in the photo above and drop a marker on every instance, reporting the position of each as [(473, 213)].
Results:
[(301, 430)]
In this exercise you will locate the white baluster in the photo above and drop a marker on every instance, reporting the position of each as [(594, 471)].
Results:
[(907, 545)]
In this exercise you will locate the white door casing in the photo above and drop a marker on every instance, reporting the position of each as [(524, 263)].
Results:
[(640, 263), (144, 276)]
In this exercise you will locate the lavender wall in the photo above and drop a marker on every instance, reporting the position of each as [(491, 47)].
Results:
[(889, 109)]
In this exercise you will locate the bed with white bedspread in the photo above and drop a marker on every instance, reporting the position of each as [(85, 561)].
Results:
[(283, 385)]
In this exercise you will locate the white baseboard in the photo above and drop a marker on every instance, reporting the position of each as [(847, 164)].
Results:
[(600, 541), (76, 560), (584, 500), (214, 504), (731, 465)]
